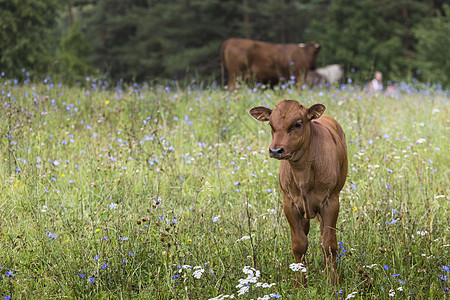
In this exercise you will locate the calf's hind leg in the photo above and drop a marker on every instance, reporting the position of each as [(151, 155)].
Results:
[(329, 212)]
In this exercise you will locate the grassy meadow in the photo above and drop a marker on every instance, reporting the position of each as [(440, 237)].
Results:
[(158, 192)]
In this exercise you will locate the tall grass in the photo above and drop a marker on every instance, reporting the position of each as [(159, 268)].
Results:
[(167, 193)]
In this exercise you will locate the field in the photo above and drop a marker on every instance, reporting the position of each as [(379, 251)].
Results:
[(161, 192)]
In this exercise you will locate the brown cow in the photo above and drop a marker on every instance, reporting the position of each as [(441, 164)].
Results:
[(267, 62), (313, 155)]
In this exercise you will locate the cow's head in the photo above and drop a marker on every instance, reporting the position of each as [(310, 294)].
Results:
[(291, 128), (312, 51)]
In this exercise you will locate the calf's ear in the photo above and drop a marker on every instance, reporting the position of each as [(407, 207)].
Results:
[(315, 111), (260, 113)]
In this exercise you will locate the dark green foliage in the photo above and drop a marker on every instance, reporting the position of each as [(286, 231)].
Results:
[(369, 35), (72, 58), (27, 36), (433, 48), (147, 40)]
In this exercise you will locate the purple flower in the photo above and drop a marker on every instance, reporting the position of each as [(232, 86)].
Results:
[(446, 268), (386, 267), (81, 275), (9, 273), (92, 280), (132, 254)]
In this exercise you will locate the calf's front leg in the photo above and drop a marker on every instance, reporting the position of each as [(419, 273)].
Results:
[(299, 231)]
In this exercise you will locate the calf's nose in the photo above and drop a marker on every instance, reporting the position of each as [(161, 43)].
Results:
[(276, 152)]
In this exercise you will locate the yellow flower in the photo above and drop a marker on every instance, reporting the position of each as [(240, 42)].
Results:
[(97, 230), (189, 240), (68, 239), (220, 228), (63, 174), (355, 208), (107, 101)]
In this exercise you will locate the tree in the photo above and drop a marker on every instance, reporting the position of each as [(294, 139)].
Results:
[(72, 58), (26, 36), (370, 35), (433, 48)]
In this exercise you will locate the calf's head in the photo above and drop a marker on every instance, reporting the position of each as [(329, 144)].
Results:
[(291, 127)]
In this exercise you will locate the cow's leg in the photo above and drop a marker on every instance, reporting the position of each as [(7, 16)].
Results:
[(231, 80), (329, 212), (299, 231)]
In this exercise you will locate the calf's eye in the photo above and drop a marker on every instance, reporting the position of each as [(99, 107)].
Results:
[(297, 125)]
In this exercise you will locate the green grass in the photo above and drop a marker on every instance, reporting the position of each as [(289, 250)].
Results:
[(109, 193)]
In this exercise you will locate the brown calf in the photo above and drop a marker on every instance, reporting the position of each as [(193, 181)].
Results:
[(313, 170)]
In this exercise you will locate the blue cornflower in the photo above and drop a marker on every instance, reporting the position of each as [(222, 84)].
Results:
[(105, 265), (446, 268), (81, 275), (7, 297), (174, 221), (96, 258), (443, 277), (125, 238), (92, 280), (276, 296), (132, 254), (395, 275), (386, 267), (269, 190), (51, 235), (175, 276), (9, 273)]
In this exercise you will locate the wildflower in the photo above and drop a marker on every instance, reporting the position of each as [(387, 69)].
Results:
[(105, 265), (269, 190), (92, 280), (386, 267), (198, 273), (245, 237), (125, 238), (391, 293), (215, 219), (175, 276), (351, 295), (400, 289), (297, 267), (443, 277), (56, 163), (446, 268), (113, 206), (132, 254), (7, 297), (81, 275), (9, 273), (51, 235), (276, 296), (355, 208)]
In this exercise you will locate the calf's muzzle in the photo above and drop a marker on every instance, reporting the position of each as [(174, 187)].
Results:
[(276, 152)]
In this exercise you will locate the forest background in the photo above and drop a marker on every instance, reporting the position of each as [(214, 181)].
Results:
[(151, 40)]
